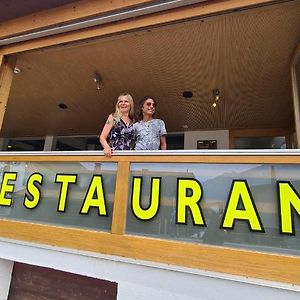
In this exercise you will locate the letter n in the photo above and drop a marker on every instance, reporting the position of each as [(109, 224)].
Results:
[(288, 199)]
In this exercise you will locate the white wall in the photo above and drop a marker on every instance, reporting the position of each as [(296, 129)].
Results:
[(5, 277), (147, 281), (191, 137)]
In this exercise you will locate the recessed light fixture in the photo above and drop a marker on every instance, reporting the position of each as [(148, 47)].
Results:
[(216, 97), (187, 94), (62, 106), (216, 94), (9, 146), (98, 80), (17, 70)]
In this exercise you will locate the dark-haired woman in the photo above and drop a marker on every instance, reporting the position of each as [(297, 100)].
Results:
[(150, 133)]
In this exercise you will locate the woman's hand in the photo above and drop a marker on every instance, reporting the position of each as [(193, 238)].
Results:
[(107, 151)]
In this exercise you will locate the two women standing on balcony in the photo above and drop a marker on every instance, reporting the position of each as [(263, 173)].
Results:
[(122, 134), (119, 127)]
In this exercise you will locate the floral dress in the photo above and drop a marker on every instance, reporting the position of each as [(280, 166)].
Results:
[(121, 136), (148, 134)]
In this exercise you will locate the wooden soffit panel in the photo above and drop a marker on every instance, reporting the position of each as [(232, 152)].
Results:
[(245, 54)]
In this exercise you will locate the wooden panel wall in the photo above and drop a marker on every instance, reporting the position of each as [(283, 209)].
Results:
[(38, 283)]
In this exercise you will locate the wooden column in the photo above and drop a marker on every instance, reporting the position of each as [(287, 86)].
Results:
[(121, 195), (6, 76), (296, 92)]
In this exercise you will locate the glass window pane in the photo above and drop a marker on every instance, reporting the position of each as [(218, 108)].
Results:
[(216, 181), (25, 144), (46, 210), (260, 142), (78, 143)]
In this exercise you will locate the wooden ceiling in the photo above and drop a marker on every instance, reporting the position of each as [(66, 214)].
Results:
[(246, 55)]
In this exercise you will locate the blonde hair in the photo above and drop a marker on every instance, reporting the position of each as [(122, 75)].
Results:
[(117, 114)]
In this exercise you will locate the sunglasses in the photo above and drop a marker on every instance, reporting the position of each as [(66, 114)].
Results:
[(150, 103)]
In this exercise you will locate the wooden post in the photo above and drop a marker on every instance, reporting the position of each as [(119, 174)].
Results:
[(295, 91), (6, 76), (121, 195)]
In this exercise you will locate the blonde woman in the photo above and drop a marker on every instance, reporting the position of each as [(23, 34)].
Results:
[(117, 133)]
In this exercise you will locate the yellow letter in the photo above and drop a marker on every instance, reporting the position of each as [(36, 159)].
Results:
[(240, 191), (192, 201), (288, 198), (65, 180), (96, 186), (7, 188), (33, 191), (151, 211)]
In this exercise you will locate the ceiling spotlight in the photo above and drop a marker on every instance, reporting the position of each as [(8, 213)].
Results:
[(17, 70), (216, 94), (214, 105), (98, 80)]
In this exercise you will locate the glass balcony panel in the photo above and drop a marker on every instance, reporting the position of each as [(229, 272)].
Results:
[(46, 210), (216, 181)]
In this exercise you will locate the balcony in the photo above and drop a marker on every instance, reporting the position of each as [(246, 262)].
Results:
[(222, 211)]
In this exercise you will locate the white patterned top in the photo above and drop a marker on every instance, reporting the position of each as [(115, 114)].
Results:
[(147, 134)]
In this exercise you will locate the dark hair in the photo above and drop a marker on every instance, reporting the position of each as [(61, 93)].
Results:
[(139, 112)]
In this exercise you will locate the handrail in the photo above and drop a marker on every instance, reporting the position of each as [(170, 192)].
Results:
[(216, 152)]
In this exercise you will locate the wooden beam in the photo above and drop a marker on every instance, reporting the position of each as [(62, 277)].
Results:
[(6, 77), (296, 92), (198, 10), (267, 266), (66, 13), (121, 195)]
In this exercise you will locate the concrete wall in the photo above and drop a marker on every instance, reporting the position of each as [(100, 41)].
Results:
[(143, 280), (191, 137), (5, 277)]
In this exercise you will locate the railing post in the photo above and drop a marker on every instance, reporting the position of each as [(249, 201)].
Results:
[(120, 201)]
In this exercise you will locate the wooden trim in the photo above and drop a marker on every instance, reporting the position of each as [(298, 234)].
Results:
[(209, 159), (175, 15), (265, 266), (295, 92), (6, 77), (121, 195), (66, 13)]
